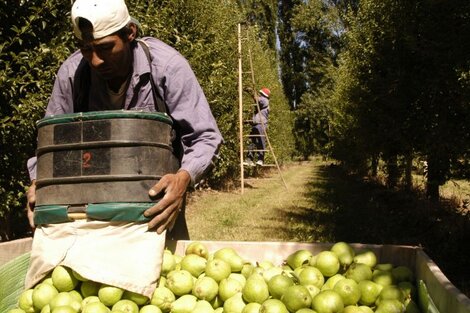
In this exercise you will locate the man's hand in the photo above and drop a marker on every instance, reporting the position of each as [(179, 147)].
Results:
[(248, 90), (173, 188), (31, 198)]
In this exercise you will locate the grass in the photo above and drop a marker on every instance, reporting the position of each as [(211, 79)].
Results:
[(323, 204)]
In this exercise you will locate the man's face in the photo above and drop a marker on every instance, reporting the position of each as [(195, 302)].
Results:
[(109, 56)]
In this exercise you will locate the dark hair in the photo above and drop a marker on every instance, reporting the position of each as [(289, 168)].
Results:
[(86, 28)]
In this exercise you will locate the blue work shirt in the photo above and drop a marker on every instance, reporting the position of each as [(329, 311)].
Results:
[(176, 83), (261, 116)]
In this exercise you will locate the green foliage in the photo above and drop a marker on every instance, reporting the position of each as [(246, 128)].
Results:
[(377, 80), (399, 84), (32, 46)]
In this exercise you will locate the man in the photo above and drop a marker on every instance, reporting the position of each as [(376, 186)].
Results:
[(111, 72), (259, 127)]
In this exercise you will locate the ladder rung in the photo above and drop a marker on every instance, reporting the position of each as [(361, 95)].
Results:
[(249, 72), (256, 165), (266, 178), (255, 136), (258, 150)]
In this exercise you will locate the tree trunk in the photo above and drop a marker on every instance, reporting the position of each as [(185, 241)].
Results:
[(374, 164), (392, 171), (408, 170), (436, 176)]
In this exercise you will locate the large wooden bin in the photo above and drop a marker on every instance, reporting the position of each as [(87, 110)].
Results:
[(446, 297)]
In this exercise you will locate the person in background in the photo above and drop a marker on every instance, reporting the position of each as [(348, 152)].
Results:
[(113, 70), (259, 128)]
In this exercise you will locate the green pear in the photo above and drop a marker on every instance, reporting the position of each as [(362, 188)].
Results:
[(168, 262), (89, 299), (390, 293), (349, 291), (205, 288), (299, 257), (230, 256), (272, 271), (234, 304), (328, 263), (408, 289), (229, 287), (194, 264), (313, 290), (344, 252), (197, 248), (184, 304), (255, 289), (402, 273), (95, 307), (247, 268), (369, 292), (238, 276), (126, 305), (266, 264), (278, 284), (217, 269), (330, 282), (42, 294), (273, 306), (352, 309), (365, 309), (180, 282), (252, 308), (328, 301), (203, 306), (384, 266), (138, 298), (390, 306), (367, 257), (217, 302), (149, 308), (296, 297), (311, 276), (358, 272), (162, 297), (384, 278)]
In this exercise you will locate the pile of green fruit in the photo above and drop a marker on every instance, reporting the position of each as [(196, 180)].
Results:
[(332, 281)]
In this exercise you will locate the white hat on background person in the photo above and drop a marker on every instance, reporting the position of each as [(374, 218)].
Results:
[(106, 16)]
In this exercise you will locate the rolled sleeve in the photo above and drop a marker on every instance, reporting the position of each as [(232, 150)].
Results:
[(31, 164)]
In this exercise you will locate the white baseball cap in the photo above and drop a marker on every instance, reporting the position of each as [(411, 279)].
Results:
[(106, 16)]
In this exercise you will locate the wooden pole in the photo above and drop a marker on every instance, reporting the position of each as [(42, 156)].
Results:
[(240, 107)]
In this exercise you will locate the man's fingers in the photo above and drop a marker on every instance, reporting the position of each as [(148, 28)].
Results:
[(163, 218), (159, 187), (169, 223)]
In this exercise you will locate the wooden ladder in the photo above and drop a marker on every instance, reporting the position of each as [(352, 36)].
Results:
[(242, 121)]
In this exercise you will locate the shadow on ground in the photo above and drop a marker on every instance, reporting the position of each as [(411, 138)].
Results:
[(346, 208)]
